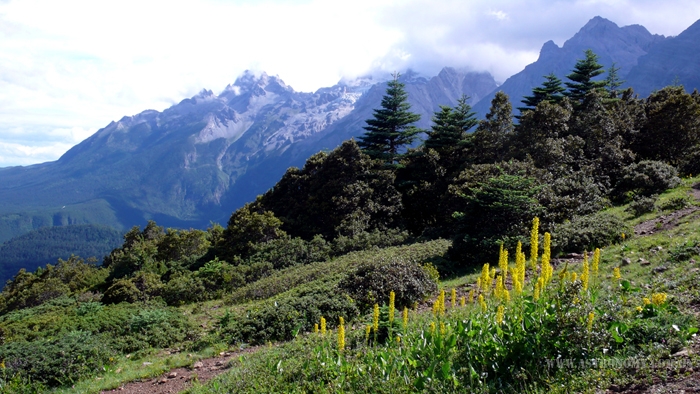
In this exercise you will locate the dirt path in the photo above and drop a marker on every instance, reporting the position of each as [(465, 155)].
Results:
[(669, 221), (179, 379)]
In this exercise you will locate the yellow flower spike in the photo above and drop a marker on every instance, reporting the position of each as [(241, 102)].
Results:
[(368, 330), (478, 283), (341, 335), (658, 298), (398, 339), (623, 236), (316, 328), (375, 319), (463, 301), (506, 295), (585, 275), (646, 301), (639, 309), (534, 242), (432, 327), (574, 277), (499, 314), (471, 296), (442, 302), (538, 288), (503, 263), (392, 299), (453, 298), (323, 326), (405, 317), (616, 273), (589, 326), (492, 274), (546, 258), (596, 261), (482, 303), (485, 283), (443, 328), (436, 307), (498, 291)]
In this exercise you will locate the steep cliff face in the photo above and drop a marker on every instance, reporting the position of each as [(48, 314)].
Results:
[(620, 45), (675, 60)]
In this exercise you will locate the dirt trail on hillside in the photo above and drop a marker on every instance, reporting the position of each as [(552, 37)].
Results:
[(669, 221), (179, 379)]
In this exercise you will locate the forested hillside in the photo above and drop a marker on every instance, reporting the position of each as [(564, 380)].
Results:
[(369, 228)]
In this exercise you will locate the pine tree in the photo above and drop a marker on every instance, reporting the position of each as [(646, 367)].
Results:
[(492, 137), (613, 82), (582, 77), (450, 127), (392, 126), (550, 91)]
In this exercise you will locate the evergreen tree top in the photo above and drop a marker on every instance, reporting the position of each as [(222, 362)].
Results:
[(582, 77), (392, 125)]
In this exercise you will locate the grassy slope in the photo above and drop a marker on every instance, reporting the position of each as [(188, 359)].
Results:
[(263, 370), (672, 269)]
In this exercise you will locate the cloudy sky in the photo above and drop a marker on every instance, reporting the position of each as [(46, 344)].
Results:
[(69, 67)]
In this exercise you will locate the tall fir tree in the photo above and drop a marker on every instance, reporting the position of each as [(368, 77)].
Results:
[(551, 91), (613, 82), (392, 125), (492, 137), (582, 76), (450, 127)]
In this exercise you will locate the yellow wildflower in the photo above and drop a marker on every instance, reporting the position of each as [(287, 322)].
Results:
[(658, 298), (375, 318), (623, 236), (323, 326), (341, 335), (616, 273), (392, 299), (482, 303), (646, 301), (639, 308), (443, 328), (315, 327), (453, 298), (534, 240), (463, 301), (589, 326), (368, 329), (499, 314), (596, 261), (546, 258), (432, 327), (471, 296), (398, 339), (405, 317)]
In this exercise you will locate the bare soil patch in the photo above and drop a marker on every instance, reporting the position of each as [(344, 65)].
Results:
[(179, 379)]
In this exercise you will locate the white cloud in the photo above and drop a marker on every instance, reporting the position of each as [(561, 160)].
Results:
[(79, 64)]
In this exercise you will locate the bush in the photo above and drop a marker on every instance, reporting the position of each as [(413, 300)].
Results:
[(371, 283), (298, 310), (286, 251), (143, 287), (642, 205), (58, 361), (184, 288), (588, 232), (675, 203), (646, 178), (367, 240)]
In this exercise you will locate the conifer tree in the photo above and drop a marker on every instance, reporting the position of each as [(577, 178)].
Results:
[(450, 127), (550, 91), (491, 138), (582, 77), (613, 82), (392, 126)]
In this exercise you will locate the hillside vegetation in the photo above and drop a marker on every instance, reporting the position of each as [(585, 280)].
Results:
[(339, 264)]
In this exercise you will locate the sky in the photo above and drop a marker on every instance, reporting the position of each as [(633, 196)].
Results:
[(70, 67)]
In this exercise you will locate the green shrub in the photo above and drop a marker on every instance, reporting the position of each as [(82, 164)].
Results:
[(367, 240), (282, 317), (642, 205), (371, 283), (648, 177), (55, 362), (675, 204), (589, 232), (144, 286), (286, 251), (183, 288)]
